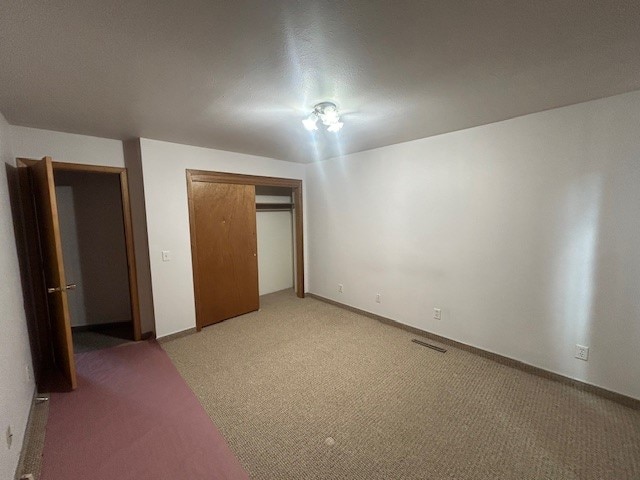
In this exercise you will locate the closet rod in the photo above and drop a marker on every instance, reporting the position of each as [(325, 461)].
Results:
[(274, 206)]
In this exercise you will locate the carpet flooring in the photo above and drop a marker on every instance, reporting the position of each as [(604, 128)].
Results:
[(132, 417), (31, 455), (306, 390), (87, 341)]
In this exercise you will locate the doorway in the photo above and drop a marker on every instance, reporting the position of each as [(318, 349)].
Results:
[(81, 262), (95, 258)]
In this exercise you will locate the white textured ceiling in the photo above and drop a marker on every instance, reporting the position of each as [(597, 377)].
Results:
[(240, 75)]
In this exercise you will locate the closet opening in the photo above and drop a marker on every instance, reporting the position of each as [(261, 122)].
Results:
[(246, 241), (274, 230)]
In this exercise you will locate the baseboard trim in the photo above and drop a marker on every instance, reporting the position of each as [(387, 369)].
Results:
[(175, 336), (148, 336), (510, 362), (26, 437)]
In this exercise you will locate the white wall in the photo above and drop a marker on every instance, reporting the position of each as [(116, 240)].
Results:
[(16, 387), (66, 147), (71, 254), (275, 246), (525, 232), (164, 172), (133, 162)]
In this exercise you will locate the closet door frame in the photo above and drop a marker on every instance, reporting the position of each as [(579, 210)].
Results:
[(239, 179)]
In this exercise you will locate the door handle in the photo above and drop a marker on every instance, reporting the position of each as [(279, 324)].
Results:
[(71, 286)]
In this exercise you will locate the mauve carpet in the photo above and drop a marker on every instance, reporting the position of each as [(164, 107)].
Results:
[(132, 417)]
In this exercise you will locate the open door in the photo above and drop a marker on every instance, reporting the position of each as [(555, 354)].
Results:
[(53, 268)]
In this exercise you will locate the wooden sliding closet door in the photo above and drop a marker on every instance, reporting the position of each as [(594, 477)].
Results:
[(223, 223)]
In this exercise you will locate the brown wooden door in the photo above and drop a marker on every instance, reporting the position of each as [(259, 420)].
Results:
[(223, 220), (53, 268)]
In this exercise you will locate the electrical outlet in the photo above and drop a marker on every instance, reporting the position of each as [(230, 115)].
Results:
[(378, 299), (9, 436), (166, 256), (437, 313), (582, 352), (339, 288)]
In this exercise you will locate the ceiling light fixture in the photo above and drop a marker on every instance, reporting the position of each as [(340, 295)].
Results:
[(327, 113)]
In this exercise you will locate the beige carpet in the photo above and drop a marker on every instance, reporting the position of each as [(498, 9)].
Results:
[(306, 390), (31, 455)]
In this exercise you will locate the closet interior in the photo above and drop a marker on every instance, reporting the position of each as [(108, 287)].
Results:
[(275, 235)]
